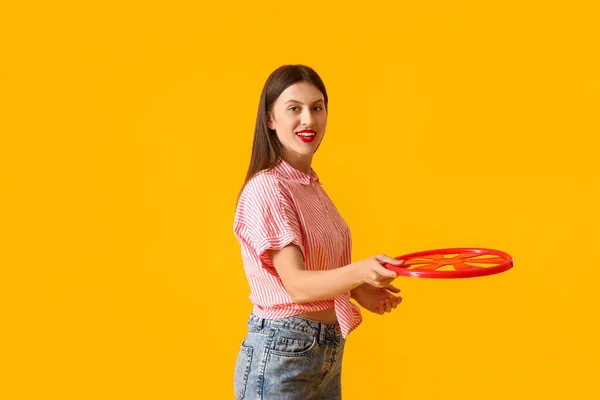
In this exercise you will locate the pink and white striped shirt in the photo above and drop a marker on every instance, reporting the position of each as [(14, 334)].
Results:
[(285, 206)]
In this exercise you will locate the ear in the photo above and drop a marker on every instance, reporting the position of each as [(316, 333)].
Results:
[(270, 122)]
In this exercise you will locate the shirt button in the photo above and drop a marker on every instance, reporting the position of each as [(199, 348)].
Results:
[(337, 329)]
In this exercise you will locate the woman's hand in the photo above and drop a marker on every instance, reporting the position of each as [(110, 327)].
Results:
[(374, 273), (377, 300)]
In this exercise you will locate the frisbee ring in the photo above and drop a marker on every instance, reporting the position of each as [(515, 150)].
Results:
[(453, 263)]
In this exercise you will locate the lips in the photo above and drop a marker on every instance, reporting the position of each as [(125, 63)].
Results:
[(307, 135)]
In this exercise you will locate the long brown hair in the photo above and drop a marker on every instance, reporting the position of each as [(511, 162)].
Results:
[(266, 147)]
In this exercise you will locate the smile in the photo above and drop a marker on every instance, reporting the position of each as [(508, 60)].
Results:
[(307, 135)]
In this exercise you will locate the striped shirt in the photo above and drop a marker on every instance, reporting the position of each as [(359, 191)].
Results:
[(283, 206)]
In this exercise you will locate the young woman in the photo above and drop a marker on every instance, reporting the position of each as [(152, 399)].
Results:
[(296, 250)]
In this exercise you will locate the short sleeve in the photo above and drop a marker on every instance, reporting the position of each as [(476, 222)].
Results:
[(266, 218)]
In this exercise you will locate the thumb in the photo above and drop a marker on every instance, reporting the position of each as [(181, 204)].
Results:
[(392, 288), (382, 258), (384, 272)]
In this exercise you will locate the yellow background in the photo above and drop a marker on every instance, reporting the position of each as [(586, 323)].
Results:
[(126, 132)]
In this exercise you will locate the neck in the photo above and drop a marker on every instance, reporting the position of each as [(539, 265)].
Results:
[(301, 163)]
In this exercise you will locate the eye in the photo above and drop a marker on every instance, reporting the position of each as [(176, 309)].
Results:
[(293, 108), (318, 108)]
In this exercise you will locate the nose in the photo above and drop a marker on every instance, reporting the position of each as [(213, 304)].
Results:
[(306, 118)]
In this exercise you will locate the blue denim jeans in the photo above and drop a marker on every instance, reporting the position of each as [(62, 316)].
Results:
[(289, 358)]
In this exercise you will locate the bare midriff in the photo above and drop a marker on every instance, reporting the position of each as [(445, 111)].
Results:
[(326, 316)]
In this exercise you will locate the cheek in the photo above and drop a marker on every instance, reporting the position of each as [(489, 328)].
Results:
[(322, 118), (290, 126), (323, 122), (285, 132), (283, 122), (284, 126)]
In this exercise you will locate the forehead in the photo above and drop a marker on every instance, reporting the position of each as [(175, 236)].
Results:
[(304, 92)]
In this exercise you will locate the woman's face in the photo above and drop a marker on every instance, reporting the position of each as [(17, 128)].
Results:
[(299, 118)]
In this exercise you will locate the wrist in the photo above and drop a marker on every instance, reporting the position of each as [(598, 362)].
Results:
[(358, 274), (357, 291)]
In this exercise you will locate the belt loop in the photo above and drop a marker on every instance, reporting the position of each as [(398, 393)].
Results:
[(322, 332), (318, 332), (259, 322)]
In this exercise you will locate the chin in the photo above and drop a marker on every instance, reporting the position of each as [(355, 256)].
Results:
[(306, 152)]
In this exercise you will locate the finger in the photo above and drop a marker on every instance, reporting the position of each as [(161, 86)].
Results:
[(388, 305), (398, 299), (384, 272), (382, 258), (394, 302), (380, 283), (382, 307), (385, 282), (392, 288), (377, 310)]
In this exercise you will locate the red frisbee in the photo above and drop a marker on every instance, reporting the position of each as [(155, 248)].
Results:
[(453, 263)]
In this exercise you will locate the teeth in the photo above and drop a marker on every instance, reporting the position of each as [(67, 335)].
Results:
[(307, 134)]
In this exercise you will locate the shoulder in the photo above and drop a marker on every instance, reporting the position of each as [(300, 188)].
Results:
[(265, 185), (263, 198), (263, 179)]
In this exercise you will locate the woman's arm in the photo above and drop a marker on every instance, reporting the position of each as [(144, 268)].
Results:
[(305, 286)]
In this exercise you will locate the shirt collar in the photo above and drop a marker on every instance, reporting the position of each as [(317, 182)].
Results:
[(290, 173)]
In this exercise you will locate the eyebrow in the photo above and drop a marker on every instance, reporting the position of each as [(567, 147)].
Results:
[(299, 102)]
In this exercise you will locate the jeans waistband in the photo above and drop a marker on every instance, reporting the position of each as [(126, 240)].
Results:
[(322, 330)]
